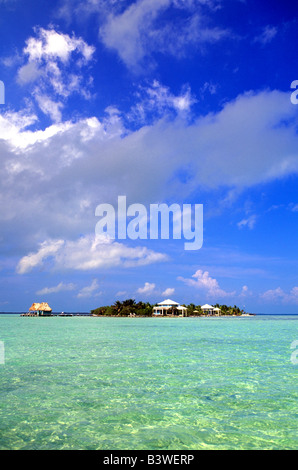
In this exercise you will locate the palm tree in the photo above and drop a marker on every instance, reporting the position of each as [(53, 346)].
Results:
[(117, 306), (129, 303)]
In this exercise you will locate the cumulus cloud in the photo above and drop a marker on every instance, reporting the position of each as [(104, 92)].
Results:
[(13, 125), (88, 253), (279, 295), (202, 280), (53, 64), (52, 179), (136, 32), (245, 292), (31, 261), (147, 289), (50, 107), (59, 288), (90, 291), (51, 45), (168, 292)]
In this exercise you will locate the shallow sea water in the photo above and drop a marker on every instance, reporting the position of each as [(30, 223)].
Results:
[(148, 383)]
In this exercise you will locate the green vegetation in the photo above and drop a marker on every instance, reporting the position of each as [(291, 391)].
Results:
[(130, 307), (125, 308), (195, 310)]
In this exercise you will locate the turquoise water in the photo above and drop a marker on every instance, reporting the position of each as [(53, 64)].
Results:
[(131, 383)]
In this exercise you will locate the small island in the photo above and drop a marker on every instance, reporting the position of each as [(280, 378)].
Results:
[(166, 308)]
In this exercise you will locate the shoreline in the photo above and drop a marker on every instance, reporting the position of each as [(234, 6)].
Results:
[(130, 316)]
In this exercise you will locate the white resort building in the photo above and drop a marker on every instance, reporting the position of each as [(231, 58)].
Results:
[(163, 307), (209, 310)]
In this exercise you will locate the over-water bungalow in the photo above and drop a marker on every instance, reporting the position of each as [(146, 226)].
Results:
[(167, 306), (41, 309)]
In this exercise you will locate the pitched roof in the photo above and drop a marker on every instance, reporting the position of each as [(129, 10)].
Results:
[(34, 307), (43, 306), (207, 306), (168, 302)]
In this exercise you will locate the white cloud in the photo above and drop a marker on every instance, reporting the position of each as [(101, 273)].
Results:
[(49, 107), (88, 253), (31, 261), (202, 280), (29, 73), (150, 288), (51, 45), (121, 293), (279, 295), (168, 292), (126, 32), (53, 64), (248, 222), (157, 100), (273, 294), (294, 293), (135, 33), (89, 291), (147, 289), (245, 292), (268, 33), (59, 288), (52, 179), (12, 124)]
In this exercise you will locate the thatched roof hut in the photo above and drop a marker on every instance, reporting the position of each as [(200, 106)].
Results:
[(40, 308), (44, 307), (34, 307)]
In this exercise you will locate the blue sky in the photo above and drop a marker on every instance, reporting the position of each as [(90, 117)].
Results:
[(164, 101)]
